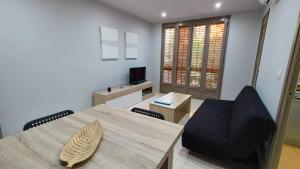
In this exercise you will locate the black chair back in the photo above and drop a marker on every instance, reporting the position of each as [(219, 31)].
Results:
[(46, 119), (148, 113)]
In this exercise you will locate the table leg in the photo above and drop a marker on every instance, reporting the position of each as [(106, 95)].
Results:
[(182, 111), (187, 106), (168, 164)]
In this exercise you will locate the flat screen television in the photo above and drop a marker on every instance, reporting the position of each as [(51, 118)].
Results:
[(137, 75)]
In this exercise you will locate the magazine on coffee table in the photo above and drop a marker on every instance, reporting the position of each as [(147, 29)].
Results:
[(163, 101)]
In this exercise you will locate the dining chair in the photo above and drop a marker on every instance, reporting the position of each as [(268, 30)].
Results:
[(46, 119), (148, 113)]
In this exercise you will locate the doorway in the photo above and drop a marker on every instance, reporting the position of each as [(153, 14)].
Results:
[(193, 54), (290, 154), (286, 138), (262, 35)]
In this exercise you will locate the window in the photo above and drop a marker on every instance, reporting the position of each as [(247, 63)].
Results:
[(182, 54), (168, 54), (197, 55), (214, 55), (193, 56)]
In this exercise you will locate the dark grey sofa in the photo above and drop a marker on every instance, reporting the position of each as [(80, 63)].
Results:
[(229, 130)]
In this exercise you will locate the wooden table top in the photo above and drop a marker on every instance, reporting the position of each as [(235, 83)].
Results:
[(177, 99), (129, 141)]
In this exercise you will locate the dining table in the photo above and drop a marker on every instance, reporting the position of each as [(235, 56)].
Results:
[(129, 141)]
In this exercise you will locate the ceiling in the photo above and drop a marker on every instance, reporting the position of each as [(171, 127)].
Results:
[(150, 10)]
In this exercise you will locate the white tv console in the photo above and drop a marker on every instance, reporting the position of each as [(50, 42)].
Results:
[(124, 96)]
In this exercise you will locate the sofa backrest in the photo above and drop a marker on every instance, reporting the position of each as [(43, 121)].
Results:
[(250, 122)]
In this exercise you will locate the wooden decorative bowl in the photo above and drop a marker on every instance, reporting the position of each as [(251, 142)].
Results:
[(82, 144)]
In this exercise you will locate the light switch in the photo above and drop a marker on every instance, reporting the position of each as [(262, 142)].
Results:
[(279, 73)]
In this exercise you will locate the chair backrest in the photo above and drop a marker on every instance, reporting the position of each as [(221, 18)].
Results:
[(148, 113), (46, 119), (250, 121)]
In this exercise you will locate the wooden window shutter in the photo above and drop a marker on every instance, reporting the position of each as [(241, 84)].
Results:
[(216, 39), (198, 52), (182, 54), (168, 54), (193, 54)]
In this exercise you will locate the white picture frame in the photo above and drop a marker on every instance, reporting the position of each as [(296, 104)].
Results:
[(131, 45), (109, 43)]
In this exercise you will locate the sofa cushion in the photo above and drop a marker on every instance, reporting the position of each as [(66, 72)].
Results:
[(208, 129), (250, 122)]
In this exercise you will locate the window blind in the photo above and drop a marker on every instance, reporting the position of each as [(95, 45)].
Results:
[(197, 54), (182, 54), (216, 37), (168, 54), (193, 56)]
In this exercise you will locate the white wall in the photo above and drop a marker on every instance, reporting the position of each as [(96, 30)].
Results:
[(241, 52), (276, 52), (50, 56), (157, 30)]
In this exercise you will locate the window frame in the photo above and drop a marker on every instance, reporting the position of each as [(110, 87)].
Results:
[(205, 92)]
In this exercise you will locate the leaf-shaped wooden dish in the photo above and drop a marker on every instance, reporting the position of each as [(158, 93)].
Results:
[(82, 145)]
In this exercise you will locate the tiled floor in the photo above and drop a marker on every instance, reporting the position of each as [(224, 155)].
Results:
[(182, 157)]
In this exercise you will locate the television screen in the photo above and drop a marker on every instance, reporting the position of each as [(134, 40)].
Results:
[(137, 75)]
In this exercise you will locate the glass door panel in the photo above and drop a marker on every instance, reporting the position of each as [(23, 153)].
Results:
[(215, 47), (193, 56), (182, 54), (197, 55), (168, 55)]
